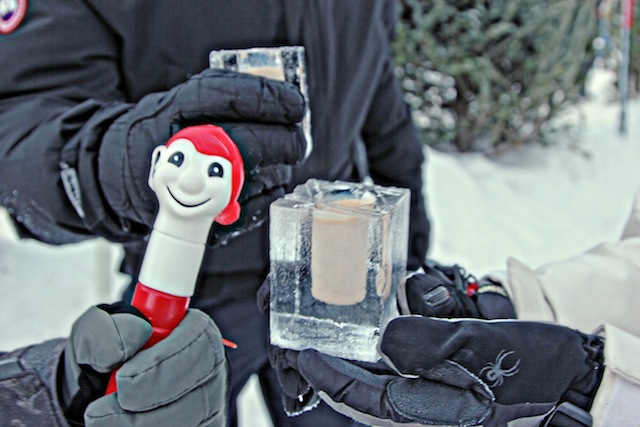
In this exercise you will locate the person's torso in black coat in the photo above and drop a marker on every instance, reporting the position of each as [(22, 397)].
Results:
[(123, 50)]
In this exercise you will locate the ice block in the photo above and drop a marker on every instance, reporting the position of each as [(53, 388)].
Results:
[(338, 253)]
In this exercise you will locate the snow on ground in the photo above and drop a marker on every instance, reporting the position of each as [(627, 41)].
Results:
[(538, 204)]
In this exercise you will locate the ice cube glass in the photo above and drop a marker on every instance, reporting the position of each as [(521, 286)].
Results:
[(338, 253)]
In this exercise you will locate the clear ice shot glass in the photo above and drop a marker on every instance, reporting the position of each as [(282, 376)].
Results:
[(338, 254), (286, 63)]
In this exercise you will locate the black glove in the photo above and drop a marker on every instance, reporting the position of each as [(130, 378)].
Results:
[(259, 114), (463, 373), (298, 397), (448, 291), (181, 380)]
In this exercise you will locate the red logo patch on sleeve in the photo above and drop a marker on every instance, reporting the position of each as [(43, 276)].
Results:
[(12, 13)]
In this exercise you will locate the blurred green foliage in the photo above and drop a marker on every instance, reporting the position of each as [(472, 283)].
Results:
[(481, 75)]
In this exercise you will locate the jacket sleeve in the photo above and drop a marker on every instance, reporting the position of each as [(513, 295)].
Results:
[(599, 286), (394, 149), (28, 394), (59, 92), (616, 401)]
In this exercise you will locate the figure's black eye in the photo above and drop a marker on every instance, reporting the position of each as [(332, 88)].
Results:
[(176, 158), (215, 169)]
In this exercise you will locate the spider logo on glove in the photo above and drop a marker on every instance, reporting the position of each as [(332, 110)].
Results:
[(495, 373)]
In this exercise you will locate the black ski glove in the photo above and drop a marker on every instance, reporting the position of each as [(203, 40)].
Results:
[(464, 373), (298, 397), (448, 291), (181, 380), (259, 114)]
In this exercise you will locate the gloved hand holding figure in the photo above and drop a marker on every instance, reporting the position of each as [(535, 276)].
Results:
[(180, 381), (259, 114)]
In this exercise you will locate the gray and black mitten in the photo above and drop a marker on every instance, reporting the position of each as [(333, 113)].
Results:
[(182, 380)]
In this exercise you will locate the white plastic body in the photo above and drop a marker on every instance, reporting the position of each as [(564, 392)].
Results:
[(171, 265)]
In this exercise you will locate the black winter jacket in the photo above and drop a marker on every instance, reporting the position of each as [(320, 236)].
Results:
[(69, 58)]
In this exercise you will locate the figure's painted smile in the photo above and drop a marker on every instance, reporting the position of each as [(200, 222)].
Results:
[(184, 204)]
